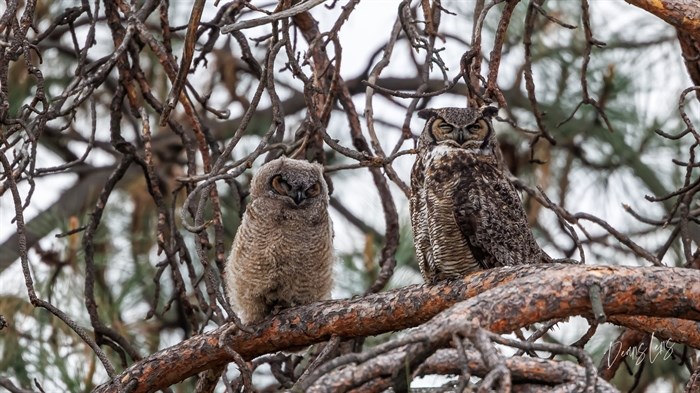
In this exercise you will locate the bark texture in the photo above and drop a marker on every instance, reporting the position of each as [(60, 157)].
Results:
[(508, 298), (683, 14)]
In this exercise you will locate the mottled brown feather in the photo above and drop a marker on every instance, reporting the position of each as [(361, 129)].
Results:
[(465, 214), (282, 254)]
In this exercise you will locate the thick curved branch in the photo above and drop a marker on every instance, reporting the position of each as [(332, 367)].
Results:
[(449, 362), (540, 293), (683, 14), (690, 48), (682, 330), (535, 298)]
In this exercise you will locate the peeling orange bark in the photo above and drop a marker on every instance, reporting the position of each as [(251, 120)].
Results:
[(517, 296), (680, 330), (683, 14), (447, 361), (377, 372)]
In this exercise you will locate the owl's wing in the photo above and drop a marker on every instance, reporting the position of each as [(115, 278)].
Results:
[(491, 217), (419, 222)]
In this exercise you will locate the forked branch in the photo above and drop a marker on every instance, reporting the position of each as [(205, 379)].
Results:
[(502, 300)]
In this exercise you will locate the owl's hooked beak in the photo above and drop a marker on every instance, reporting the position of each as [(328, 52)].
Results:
[(298, 196), (460, 136)]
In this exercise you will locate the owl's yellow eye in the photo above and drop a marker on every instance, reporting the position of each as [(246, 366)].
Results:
[(279, 185), (314, 190), (474, 128)]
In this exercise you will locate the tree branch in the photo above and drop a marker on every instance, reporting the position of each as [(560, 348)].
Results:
[(448, 362), (520, 296), (683, 14)]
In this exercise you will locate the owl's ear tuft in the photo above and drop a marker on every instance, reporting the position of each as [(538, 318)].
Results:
[(426, 113), (488, 111)]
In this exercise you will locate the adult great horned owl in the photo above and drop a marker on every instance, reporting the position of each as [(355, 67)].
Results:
[(466, 215), (282, 254)]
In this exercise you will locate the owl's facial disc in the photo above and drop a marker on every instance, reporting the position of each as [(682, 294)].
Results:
[(297, 193), (443, 131), (461, 134)]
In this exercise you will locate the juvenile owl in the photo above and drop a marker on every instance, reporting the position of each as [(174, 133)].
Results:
[(283, 251), (466, 215)]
